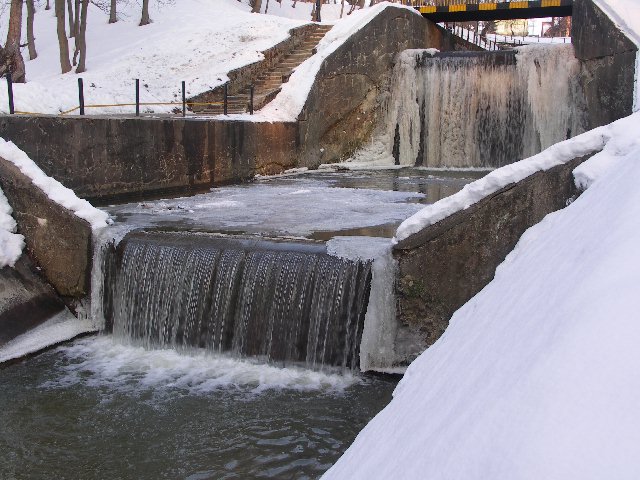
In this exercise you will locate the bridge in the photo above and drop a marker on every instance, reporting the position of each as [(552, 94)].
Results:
[(484, 10)]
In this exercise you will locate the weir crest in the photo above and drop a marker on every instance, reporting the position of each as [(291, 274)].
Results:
[(285, 302)]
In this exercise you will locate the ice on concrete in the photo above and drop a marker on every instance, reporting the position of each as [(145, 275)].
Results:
[(57, 192), (537, 375), (60, 328)]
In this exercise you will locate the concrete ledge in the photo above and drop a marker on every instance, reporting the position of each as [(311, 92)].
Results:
[(57, 241), (446, 264)]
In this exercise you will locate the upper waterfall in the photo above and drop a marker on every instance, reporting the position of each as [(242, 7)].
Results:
[(488, 109)]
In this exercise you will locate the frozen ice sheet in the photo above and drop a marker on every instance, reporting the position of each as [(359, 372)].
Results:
[(299, 205)]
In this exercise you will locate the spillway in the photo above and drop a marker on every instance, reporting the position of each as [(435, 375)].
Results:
[(489, 109), (282, 301)]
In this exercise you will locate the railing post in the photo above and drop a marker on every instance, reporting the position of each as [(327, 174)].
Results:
[(184, 99), (226, 98), (81, 95), (251, 100), (10, 92), (137, 97)]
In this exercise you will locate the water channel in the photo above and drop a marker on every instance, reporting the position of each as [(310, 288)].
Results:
[(108, 406)]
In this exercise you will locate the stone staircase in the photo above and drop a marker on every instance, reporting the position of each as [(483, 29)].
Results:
[(269, 83)]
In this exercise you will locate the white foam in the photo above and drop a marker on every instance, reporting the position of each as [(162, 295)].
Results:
[(102, 361)]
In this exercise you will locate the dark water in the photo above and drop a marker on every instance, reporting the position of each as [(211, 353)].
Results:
[(97, 409)]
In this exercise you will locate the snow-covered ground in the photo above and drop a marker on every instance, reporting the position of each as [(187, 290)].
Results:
[(197, 41), (537, 375)]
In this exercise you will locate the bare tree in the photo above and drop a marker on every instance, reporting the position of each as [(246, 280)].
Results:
[(48, 6), (72, 30), (10, 55), (256, 6), (113, 16), (31, 41), (82, 38), (65, 64), (144, 19)]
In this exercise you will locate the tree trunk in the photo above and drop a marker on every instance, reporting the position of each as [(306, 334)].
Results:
[(72, 30), (113, 16), (82, 38), (48, 6), (76, 18), (144, 19), (11, 56), (65, 64), (31, 41), (257, 6), (342, 9), (266, 8)]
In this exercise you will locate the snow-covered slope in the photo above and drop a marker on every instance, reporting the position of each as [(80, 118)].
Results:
[(197, 41), (536, 376)]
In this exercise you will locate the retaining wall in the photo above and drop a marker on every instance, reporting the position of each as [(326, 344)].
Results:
[(608, 62), (108, 159), (57, 240), (444, 265)]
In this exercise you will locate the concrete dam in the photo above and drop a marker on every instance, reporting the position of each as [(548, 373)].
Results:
[(251, 263)]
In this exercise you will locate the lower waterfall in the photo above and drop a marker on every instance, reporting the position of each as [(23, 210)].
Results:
[(469, 109), (286, 302)]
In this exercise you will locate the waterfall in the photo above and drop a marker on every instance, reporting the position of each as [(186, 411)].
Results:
[(285, 302), (488, 109)]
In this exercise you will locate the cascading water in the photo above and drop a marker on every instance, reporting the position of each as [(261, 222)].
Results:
[(284, 302), (488, 109)]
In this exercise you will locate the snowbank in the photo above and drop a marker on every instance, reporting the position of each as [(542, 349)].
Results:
[(536, 376), (52, 188), (11, 243)]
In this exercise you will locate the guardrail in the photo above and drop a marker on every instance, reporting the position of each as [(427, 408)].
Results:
[(184, 104)]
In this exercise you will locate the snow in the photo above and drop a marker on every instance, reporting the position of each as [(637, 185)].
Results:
[(11, 243), (52, 188), (60, 328), (537, 375), (197, 41)]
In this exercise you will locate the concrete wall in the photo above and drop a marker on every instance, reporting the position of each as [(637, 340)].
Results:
[(57, 241), (608, 60), (333, 125), (446, 264), (108, 159)]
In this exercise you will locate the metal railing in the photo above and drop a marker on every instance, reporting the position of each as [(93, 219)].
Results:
[(181, 107)]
